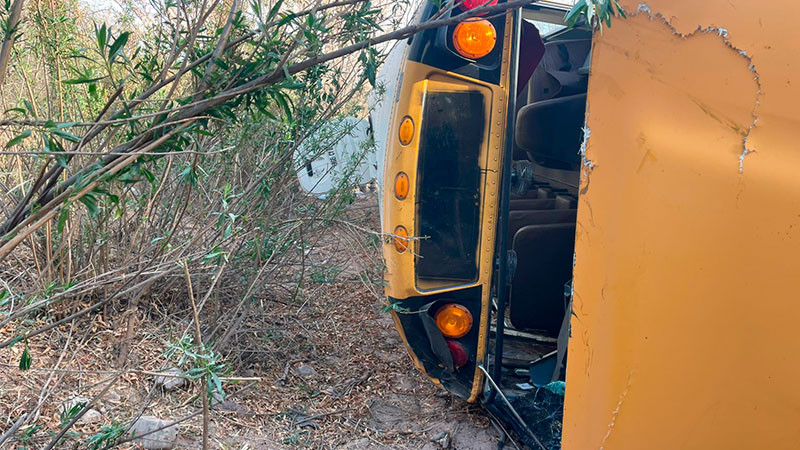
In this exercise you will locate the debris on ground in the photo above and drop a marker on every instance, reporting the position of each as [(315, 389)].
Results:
[(326, 369), (169, 383), (155, 433)]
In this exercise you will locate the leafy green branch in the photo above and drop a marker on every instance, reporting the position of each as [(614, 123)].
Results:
[(596, 12)]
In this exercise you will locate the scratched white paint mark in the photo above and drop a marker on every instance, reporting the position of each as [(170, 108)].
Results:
[(615, 413), (725, 35), (585, 161), (643, 7)]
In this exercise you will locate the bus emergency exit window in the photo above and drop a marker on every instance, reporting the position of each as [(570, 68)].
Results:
[(448, 191)]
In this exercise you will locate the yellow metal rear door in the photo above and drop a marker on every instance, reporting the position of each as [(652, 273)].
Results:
[(686, 306)]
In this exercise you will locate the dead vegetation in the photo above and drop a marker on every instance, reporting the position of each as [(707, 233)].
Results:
[(152, 226), (326, 370)]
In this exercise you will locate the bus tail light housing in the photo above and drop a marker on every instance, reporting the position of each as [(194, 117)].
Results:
[(472, 4), (474, 38), (453, 320)]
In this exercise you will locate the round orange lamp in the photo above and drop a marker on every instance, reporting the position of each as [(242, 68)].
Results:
[(453, 320), (474, 38)]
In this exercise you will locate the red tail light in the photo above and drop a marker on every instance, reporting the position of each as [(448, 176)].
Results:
[(458, 352), (472, 4)]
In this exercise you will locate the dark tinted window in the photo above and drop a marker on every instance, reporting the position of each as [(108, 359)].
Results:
[(448, 191)]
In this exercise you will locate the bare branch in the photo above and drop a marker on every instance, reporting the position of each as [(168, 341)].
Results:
[(11, 35)]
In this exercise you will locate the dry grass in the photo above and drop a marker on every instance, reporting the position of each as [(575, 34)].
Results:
[(363, 391)]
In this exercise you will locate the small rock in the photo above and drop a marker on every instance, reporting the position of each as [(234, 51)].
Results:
[(217, 398), (161, 439), (442, 440), (228, 405), (168, 383), (71, 403), (359, 444), (218, 402), (110, 399), (91, 416), (305, 371)]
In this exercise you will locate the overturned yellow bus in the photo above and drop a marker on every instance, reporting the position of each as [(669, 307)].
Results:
[(616, 209)]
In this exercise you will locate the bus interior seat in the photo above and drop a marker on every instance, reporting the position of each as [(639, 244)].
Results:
[(560, 74), (541, 191), (544, 264), (542, 232), (532, 193), (566, 201), (531, 203), (559, 201), (552, 130), (542, 222), (519, 219), (549, 127)]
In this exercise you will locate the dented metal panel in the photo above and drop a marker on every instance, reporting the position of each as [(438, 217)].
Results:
[(688, 236)]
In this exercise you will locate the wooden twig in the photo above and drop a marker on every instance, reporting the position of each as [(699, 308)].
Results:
[(180, 375), (10, 37), (199, 343), (10, 432)]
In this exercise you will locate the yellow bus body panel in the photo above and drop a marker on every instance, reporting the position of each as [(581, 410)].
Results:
[(685, 329), (399, 274)]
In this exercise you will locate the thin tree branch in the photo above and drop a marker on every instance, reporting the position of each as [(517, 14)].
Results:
[(11, 35)]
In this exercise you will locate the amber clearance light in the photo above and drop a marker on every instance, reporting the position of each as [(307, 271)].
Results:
[(474, 38), (401, 186), (454, 321), (406, 130), (400, 238)]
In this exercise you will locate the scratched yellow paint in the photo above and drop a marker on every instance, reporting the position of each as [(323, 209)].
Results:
[(686, 304)]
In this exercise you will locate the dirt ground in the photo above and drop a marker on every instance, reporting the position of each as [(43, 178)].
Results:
[(327, 370)]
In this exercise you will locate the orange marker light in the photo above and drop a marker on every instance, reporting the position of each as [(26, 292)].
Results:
[(454, 321), (474, 38), (406, 130), (401, 186), (400, 238)]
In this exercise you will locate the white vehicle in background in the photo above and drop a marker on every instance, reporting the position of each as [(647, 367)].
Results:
[(338, 152), (340, 148)]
